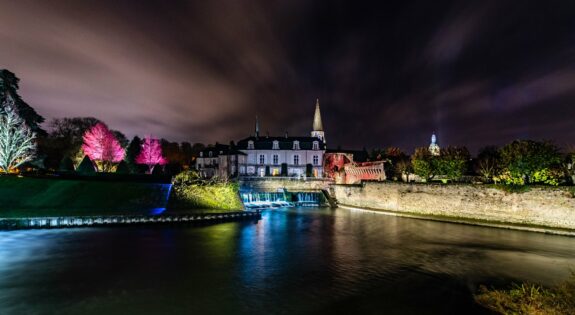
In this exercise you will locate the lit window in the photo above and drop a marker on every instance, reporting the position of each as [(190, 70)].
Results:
[(296, 160), (276, 159), (276, 145), (250, 145), (315, 160), (262, 159), (316, 145), (296, 145)]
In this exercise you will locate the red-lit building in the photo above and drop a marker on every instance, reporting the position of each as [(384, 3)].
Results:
[(351, 167)]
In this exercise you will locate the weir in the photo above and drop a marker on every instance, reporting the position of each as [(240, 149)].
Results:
[(257, 199)]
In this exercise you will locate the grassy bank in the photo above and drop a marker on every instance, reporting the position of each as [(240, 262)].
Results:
[(530, 299), (27, 197), (210, 197)]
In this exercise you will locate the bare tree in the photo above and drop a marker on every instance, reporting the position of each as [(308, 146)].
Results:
[(17, 145)]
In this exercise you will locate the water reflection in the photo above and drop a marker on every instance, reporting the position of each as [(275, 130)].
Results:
[(298, 260)]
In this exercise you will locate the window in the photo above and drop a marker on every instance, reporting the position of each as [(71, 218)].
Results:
[(315, 160), (262, 159), (296, 160), (210, 154), (296, 145), (316, 145), (276, 145), (201, 154), (275, 159), (250, 145)]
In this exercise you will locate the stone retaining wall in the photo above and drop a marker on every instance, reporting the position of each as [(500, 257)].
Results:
[(540, 206)]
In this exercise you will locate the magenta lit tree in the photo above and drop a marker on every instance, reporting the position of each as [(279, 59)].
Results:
[(102, 147), (151, 154)]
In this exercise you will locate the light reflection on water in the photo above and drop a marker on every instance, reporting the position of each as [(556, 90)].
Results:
[(305, 260)]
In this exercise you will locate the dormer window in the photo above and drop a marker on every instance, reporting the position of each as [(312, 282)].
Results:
[(276, 145), (316, 145), (296, 145), (250, 145), (201, 154), (210, 154)]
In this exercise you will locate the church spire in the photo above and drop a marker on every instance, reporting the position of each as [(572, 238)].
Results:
[(317, 124)]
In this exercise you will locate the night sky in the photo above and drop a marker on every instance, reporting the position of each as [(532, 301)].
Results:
[(387, 73)]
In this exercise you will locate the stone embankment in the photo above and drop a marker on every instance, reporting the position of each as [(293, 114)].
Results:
[(542, 209), (89, 221)]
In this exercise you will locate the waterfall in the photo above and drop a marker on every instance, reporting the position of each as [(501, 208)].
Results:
[(252, 199)]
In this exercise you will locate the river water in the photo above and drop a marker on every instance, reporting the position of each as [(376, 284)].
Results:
[(292, 261)]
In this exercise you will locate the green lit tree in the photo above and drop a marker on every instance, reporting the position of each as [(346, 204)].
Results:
[(423, 163), (527, 161), (452, 162)]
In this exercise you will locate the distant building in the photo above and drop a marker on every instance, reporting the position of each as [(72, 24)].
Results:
[(220, 160), (268, 156), (433, 147)]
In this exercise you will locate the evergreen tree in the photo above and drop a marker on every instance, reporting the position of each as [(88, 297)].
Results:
[(132, 152), (86, 166), (123, 168), (9, 89), (66, 164)]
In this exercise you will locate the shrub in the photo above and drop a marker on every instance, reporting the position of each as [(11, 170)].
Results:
[(530, 298)]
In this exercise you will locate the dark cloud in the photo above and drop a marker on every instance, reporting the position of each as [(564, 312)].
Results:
[(389, 73)]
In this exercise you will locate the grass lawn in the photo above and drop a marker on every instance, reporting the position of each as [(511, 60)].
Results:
[(26, 197)]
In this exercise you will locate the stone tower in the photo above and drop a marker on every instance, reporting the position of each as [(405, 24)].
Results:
[(317, 124), (433, 147)]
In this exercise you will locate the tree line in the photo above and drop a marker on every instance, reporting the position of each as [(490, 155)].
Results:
[(518, 163), (78, 143)]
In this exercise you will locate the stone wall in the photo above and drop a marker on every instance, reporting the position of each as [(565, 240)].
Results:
[(543, 207)]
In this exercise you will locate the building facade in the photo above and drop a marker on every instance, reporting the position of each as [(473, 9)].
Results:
[(268, 156), (220, 160), (282, 156)]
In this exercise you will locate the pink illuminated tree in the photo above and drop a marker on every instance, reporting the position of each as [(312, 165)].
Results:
[(151, 154), (102, 147)]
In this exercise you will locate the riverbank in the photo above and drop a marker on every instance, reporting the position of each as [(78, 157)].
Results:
[(53, 201), (547, 210)]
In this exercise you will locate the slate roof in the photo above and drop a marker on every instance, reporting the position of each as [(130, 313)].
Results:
[(285, 143), (223, 148)]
